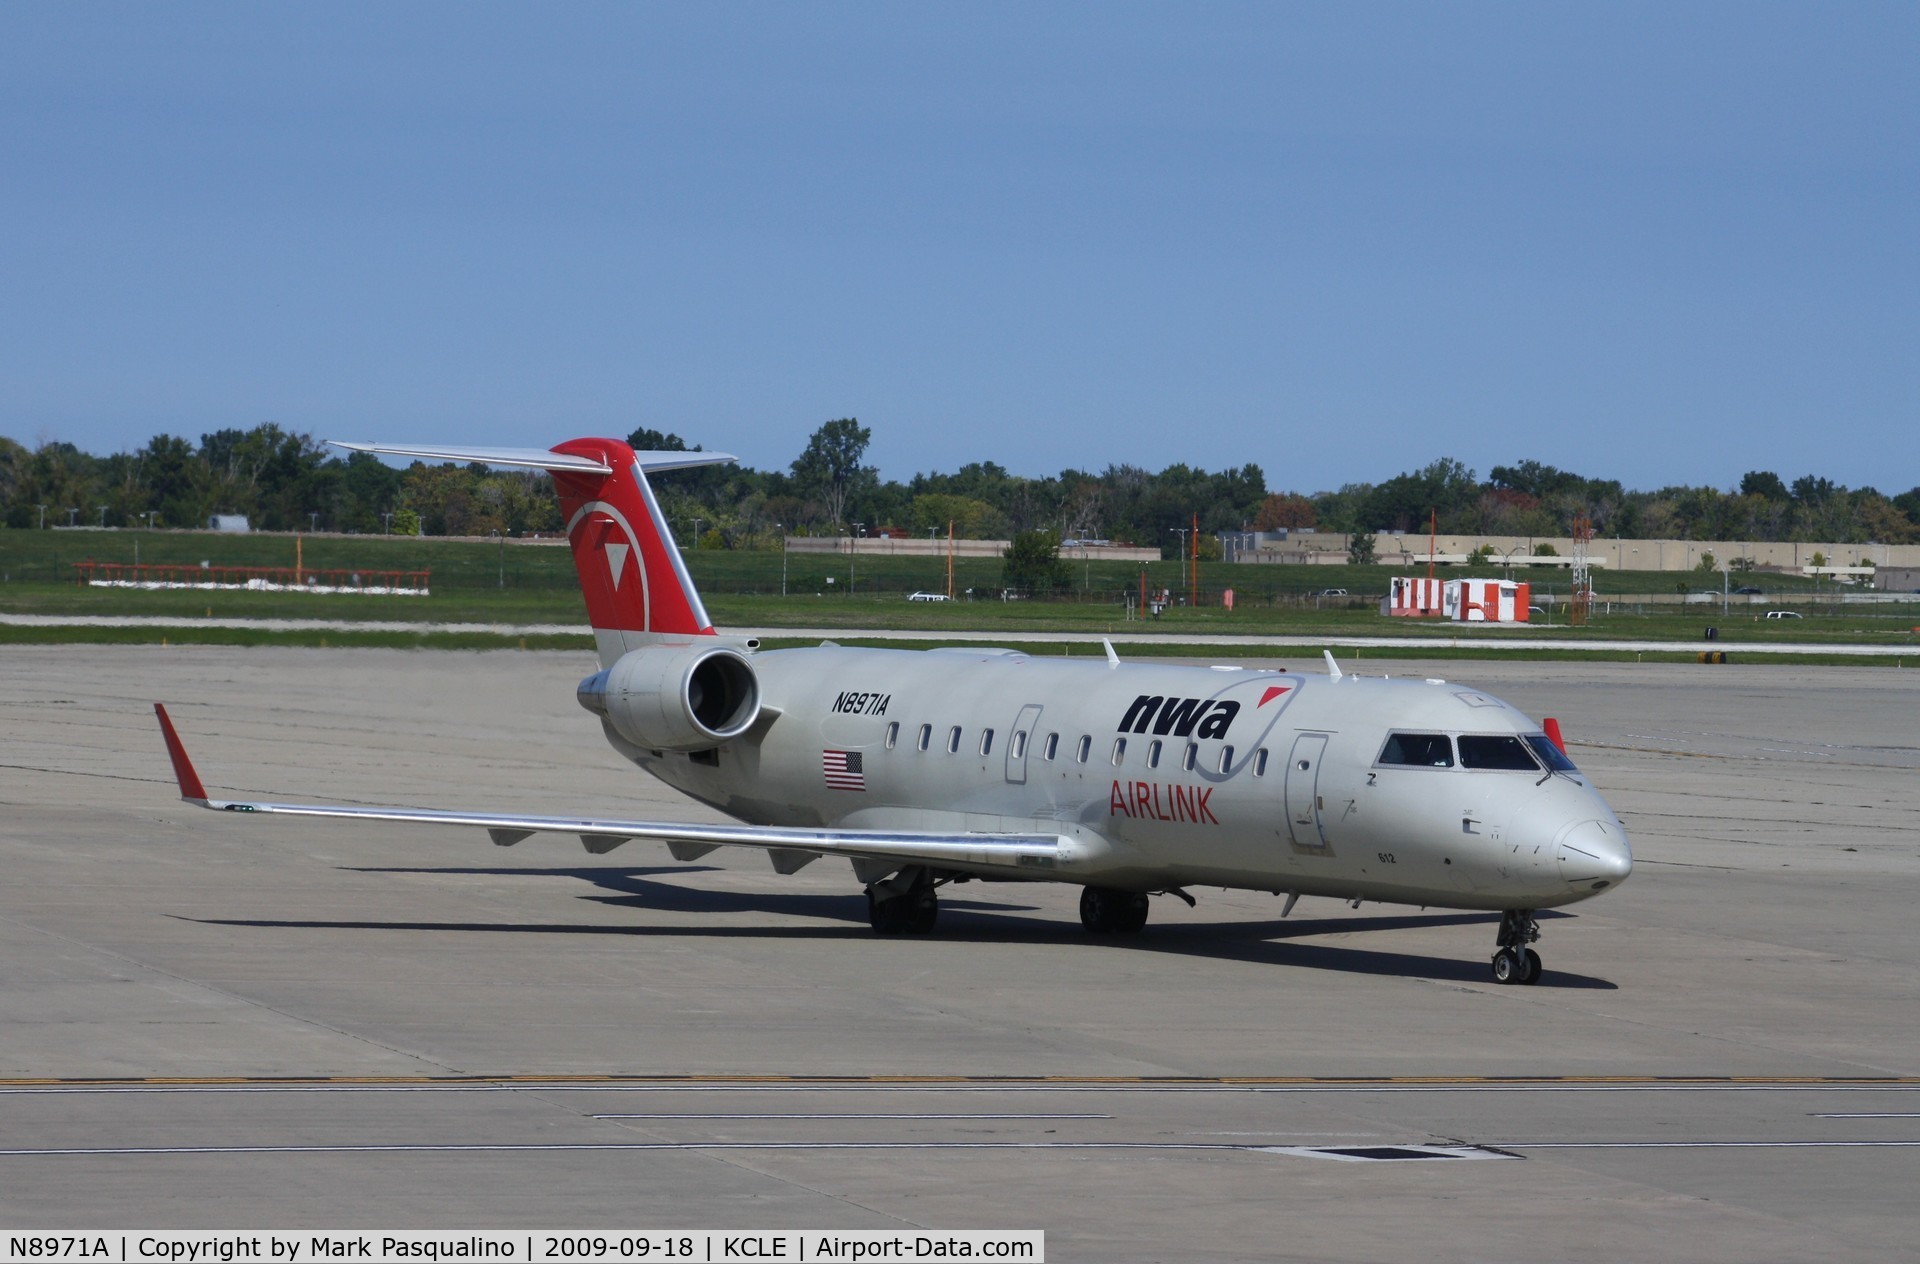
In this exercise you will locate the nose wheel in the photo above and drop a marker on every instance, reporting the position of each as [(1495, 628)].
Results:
[(1515, 962)]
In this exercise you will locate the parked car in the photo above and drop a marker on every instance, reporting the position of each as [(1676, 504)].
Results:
[(1746, 590), (1783, 614), (1331, 592), (927, 596)]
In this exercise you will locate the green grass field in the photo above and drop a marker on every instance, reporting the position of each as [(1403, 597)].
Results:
[(525, 584)]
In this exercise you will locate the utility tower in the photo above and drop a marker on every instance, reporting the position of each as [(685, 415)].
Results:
[(1580, 601)]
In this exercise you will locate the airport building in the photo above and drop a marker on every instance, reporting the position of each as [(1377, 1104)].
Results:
[(1410, 548)]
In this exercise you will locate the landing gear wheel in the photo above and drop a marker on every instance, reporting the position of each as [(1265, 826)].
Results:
[(1104, 911), (896, 912), (924, 911), (887, 916), (1515, 962)]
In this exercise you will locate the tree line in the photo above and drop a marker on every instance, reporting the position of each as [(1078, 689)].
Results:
[(285, 481)]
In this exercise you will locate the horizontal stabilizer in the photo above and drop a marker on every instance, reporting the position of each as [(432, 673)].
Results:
[(534, 458)]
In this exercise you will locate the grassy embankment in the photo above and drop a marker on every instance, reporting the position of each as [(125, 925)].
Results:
[(529, 584)]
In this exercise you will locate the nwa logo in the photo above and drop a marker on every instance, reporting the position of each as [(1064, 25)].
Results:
[(1182, 717)]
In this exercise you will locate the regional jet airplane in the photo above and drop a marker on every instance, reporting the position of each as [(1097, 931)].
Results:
[(1131, 780)]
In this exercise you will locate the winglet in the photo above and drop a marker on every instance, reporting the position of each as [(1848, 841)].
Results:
[(1333, 668), (1113, 659), (190, 787)]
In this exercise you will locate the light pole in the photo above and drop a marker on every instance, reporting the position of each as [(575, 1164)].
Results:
[(503, 556), (313, 520), (1182, 533), (781, 527), (103, 515), (43, 516), (73, 515), (853, 553), (696, 533), (386, 520)]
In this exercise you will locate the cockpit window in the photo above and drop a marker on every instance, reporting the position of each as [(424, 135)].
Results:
[(1418, 750), (1550, 755), (1504, 753)]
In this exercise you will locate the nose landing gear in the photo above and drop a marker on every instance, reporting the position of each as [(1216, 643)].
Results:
[(1515, 962)]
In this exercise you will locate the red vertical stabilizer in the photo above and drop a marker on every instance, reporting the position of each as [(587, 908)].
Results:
[(630, 569), (637, 588)]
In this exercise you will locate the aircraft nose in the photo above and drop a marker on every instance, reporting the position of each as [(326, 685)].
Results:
[(1594, 855)]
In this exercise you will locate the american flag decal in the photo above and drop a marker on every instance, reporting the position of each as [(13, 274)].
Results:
[(843, 770)]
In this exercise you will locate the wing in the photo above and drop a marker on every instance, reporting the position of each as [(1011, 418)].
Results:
[(874, 852)]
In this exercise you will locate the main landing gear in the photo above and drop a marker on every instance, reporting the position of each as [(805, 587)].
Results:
[(904, 904), (1105, 911), (1515, 962)]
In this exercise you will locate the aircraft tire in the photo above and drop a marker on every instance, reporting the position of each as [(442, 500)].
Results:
[(1104, 911), (920, 918), (1505, 968), (1533, 967), (887, 917)]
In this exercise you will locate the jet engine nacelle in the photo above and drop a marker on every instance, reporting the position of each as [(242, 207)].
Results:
[(676, 698)]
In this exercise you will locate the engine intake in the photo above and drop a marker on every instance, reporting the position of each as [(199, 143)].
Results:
[(679, 699)]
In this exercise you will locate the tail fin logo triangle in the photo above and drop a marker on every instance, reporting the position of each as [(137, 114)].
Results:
[(616, 562)]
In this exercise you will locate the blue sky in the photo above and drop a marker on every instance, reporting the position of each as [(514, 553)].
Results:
[(1660, 243)]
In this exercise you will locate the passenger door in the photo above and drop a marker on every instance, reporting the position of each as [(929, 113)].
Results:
[(1304, 822)]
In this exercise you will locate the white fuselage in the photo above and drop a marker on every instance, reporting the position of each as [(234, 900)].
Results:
[(1164, 776)]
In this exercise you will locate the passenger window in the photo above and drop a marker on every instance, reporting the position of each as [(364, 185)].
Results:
[(1085, 749), (1504, 753), (1226, 758), (986, 740), (926, 736), (893, 734), (1053, 746), (1260, 762), (1193, 753), (1153, 754), (953, 740), (1418, 750), (1119, 750), (1019, 744)]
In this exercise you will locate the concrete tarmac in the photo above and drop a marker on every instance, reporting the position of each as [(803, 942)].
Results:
[(408, 1027)]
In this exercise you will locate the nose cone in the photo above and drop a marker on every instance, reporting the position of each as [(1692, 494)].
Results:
[(1594, 856)]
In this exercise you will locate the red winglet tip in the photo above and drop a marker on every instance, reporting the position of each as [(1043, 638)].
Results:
[(190, 787)]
